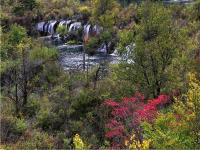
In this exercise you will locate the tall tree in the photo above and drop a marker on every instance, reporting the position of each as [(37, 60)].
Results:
[(157, 43)]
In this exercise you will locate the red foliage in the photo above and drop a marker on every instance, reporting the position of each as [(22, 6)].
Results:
[(111, 103), (121, 112), (117, 131), (127, 114), (149, 111)]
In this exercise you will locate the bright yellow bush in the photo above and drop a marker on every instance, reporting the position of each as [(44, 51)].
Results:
[(189, 107), (78, 143)]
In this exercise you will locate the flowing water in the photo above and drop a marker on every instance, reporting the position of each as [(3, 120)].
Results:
[(73, 56), (75, 59)]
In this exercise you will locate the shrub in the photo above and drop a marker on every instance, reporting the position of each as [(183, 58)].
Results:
[(92, 45), (85, 10), (134, 143), (20, 126), (49, 120), (32, 107), (126, 116), (78, 143), (62, 30), (36, 140), (7, 124), (72, 42)]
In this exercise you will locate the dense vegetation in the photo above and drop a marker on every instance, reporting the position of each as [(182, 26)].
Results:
[(149, 100)]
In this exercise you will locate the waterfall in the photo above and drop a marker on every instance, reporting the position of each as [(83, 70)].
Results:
[(115, 52), (86, 32), (46, 25), (96, 29), (62, 23), (65, 23), (68, 23), (40, 26), (74, 26), (102, 48), (51, 27)]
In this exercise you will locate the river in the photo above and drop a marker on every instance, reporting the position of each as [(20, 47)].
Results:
[(73, 56)]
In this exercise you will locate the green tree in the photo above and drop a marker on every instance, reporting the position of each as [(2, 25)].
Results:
[(157, 42), (21, 62), (23, 6)]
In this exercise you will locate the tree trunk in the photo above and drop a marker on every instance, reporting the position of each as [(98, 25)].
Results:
[(83, 58), (24, 78), (16, 95), (96, 78)]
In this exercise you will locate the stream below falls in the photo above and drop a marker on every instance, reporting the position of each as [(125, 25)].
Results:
[(72, 57)]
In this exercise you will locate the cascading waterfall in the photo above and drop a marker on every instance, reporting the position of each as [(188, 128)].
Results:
[(40, 26), (97, 29), (75, 26), (68, 22), (46, 26), (65, 23), (51, 27), (86, 32), (62, 23), (71, 56)]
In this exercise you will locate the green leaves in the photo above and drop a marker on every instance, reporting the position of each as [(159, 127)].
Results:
[(158, 42), (105, 12), (92, 45), (62, 30), (20, 126), (16, 35), (11, 44), (43, 53)]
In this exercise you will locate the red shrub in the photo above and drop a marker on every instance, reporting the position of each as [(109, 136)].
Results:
[(127, 114), (149, 111), (111, 103)]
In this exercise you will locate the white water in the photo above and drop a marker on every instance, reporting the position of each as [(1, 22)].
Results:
[(74, 59), (102, 49), (39, 26), (87, 31), (97, 29), (71, 56), (74, 26), (51, 27)]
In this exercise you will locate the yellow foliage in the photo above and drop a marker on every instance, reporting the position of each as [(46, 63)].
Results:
[(192, 102), (193, 93), (133, 143), (84, 9), (189, 106), (78, 143)]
